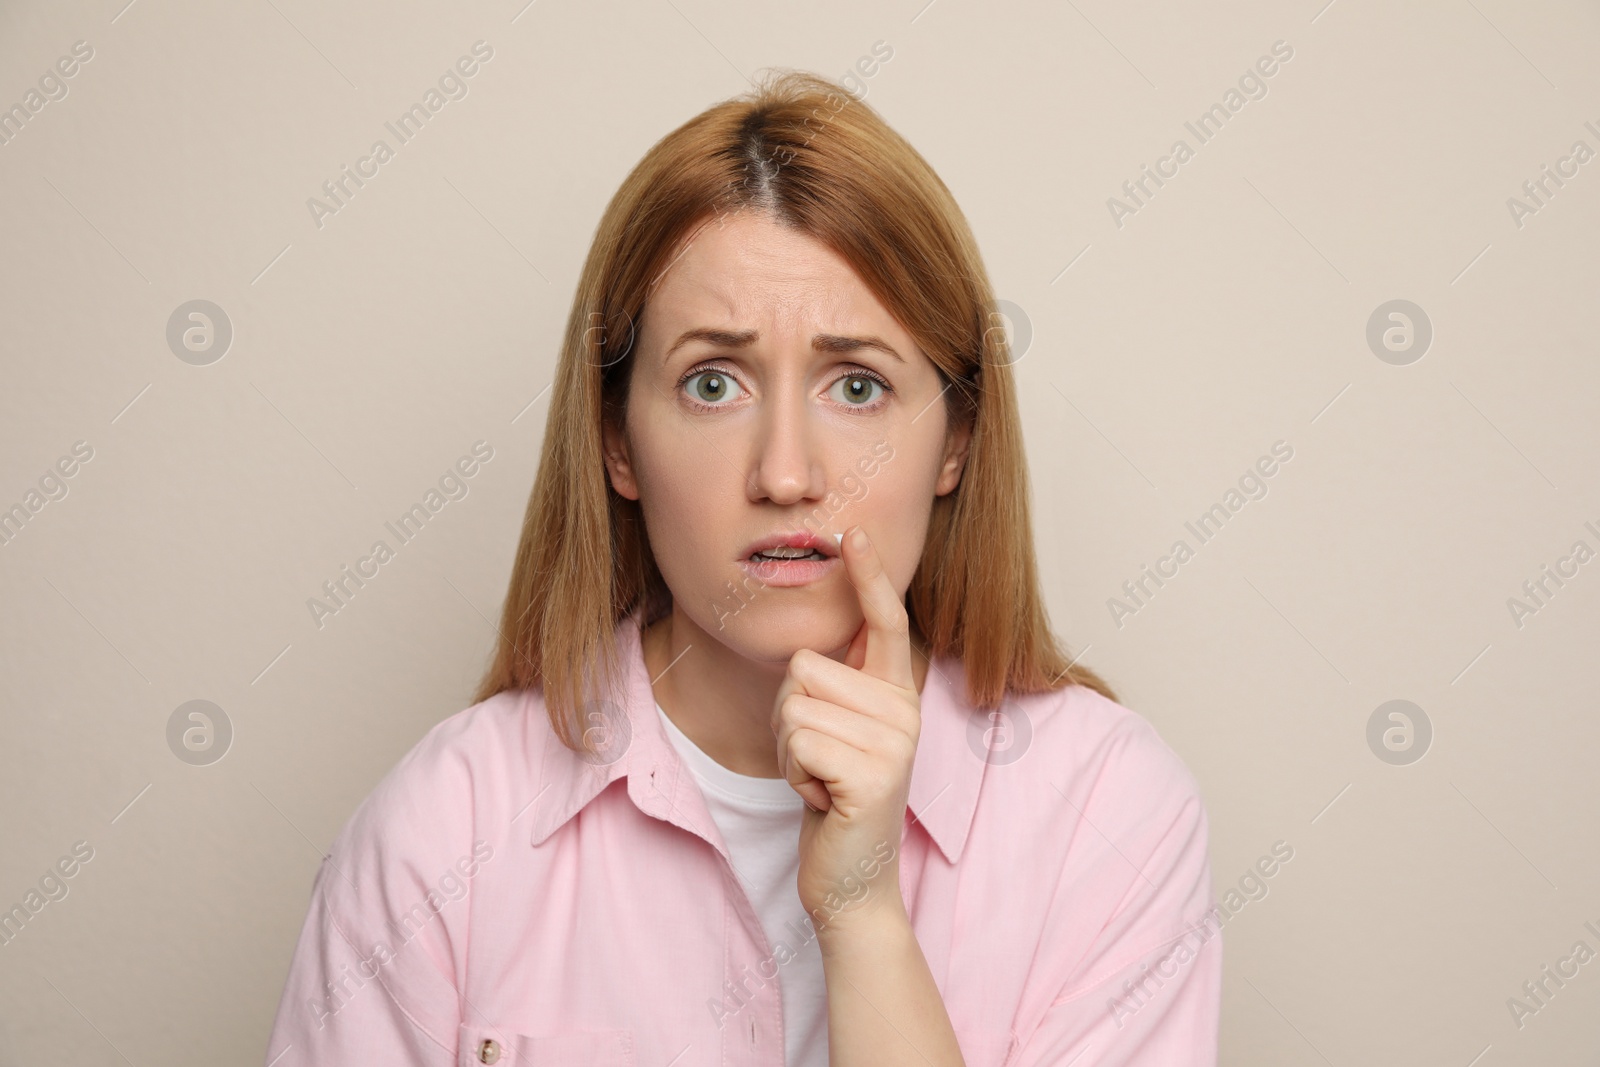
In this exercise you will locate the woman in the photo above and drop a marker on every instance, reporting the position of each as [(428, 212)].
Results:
[(778, 761)]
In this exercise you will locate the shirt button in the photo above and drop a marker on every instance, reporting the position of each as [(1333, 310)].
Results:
[(488, 1051)]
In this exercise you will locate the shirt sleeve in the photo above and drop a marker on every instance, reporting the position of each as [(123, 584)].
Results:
[(1148, 990), (347, 1001), (374, 976)]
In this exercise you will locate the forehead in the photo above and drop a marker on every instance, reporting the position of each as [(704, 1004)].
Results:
[(746, 270)]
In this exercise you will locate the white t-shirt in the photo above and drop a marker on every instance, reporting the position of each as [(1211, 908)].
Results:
[(759, 819)]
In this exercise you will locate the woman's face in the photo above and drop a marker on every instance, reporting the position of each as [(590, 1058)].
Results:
[(809, 411)]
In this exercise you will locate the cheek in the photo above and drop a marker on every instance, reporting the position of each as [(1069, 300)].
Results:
[(666, 461), (668, 474), (900, 526), (895, 507), (686, 492)]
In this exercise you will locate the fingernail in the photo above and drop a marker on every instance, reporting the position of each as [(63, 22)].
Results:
[(859, 538)]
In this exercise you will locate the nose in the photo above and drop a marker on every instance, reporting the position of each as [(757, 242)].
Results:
[(787, 462)]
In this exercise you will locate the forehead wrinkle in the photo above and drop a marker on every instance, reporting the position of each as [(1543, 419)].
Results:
[(742, 285), (715, 308)]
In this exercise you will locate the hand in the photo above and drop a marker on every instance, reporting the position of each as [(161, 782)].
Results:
[(847, 737)]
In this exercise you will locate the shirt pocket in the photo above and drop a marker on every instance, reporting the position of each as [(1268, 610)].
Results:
[(481, 1045)]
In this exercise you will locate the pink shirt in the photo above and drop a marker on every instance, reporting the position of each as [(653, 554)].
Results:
[(498, 898)]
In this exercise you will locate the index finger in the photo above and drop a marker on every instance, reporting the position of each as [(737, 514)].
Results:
[(887, 624)]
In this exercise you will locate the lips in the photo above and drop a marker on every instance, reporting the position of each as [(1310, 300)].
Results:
[(823, 546)]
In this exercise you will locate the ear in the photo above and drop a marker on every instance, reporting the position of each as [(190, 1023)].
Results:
[(957, 442), (615, 444)]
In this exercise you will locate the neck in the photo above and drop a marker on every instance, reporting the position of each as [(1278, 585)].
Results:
[(723, 701)]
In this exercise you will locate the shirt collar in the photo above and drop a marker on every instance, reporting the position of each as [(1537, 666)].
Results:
[(945, 776)]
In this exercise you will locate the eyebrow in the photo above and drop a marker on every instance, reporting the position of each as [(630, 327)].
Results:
[(822, 342)]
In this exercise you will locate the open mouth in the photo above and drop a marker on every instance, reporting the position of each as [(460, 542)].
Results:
[(780, 555), (790, 565)]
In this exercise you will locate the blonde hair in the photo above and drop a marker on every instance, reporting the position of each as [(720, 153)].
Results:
[(812, 156)]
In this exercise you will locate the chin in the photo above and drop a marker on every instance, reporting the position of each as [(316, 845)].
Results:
[(773, 632)]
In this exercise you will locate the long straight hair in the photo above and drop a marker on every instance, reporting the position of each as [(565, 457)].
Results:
[(814, 157)]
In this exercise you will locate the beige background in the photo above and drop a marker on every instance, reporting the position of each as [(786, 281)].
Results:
[(1167, 355)]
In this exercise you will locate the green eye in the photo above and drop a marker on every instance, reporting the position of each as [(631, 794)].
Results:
[(858, 389), (711, 387)]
